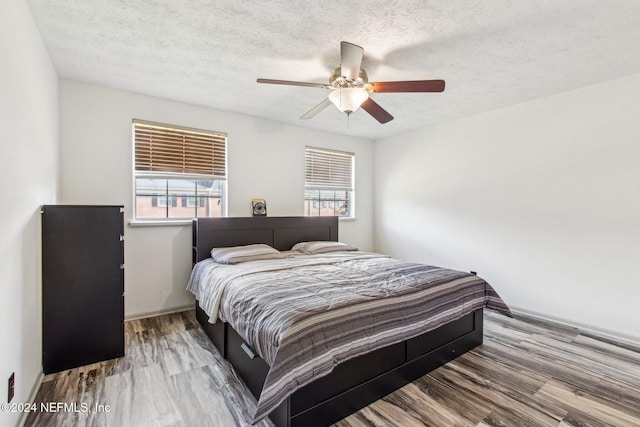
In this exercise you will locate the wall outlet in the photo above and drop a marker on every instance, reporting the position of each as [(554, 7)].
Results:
[(12, 386)]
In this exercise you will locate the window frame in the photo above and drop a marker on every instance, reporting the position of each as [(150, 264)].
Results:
[(167, 196), (337, 185)]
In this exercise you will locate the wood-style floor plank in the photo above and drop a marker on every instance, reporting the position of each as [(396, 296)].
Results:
[(526, 372)]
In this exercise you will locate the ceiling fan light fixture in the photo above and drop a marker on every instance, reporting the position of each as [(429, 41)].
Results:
[(348, 99)]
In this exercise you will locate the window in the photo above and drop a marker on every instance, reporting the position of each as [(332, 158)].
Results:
[(328, 183), (179, 172)]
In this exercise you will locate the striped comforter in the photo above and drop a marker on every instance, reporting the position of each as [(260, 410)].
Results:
[(306, 314)]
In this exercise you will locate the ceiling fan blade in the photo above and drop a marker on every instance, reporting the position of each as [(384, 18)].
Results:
[(410, 86), (378, 113), (315, 110), (290, 83), (350, 60)]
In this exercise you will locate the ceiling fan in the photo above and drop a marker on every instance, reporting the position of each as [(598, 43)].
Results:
[(351, 89)]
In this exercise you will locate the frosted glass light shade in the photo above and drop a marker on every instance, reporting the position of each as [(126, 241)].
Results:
[(348, 99)]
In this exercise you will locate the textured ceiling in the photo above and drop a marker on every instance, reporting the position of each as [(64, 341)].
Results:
[(491, 53)]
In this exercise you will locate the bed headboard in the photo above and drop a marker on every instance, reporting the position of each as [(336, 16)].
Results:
[(280, 232)]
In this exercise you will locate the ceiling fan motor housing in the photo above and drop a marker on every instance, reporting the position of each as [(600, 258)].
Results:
[(337, 80)]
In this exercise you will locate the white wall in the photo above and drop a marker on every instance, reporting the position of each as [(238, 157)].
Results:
[(541, 198), (28, 179), (265, 159)]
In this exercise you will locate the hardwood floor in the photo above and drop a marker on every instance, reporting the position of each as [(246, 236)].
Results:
[(526, 373)]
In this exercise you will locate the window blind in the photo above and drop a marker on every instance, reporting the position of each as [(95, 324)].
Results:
[(175, 149), (326, 169)]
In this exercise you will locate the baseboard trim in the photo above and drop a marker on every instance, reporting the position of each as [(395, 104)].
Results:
[(160, 312), (599, 333), (32, 397)]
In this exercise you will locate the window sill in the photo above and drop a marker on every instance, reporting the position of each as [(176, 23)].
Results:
[(347, 218), (157, 223)]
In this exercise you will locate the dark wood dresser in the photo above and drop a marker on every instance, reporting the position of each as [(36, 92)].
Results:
[(82, 285)]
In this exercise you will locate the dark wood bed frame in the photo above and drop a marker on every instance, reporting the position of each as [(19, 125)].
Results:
[(353, 384)]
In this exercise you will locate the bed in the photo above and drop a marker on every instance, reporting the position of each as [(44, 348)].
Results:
[(353, 383)]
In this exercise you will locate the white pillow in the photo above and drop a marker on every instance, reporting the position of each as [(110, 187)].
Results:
[(237, 254), (321, 247)]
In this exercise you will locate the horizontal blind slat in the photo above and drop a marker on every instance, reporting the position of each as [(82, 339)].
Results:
[(142, 138)]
